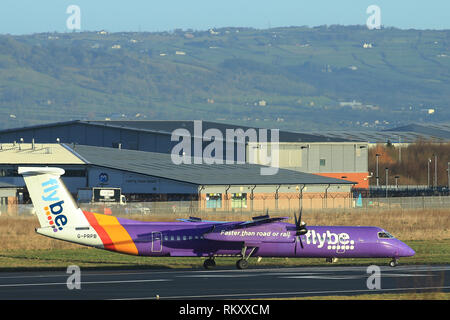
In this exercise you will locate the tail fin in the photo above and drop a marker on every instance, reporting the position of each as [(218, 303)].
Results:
[(54, 205)]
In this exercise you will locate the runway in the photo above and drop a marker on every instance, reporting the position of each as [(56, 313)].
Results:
[(221, 284)]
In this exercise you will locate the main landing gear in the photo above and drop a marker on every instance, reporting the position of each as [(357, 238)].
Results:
[(209, 263), (243, 263), (240, 264)]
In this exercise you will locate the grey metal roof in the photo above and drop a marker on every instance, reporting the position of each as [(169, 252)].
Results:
[(406, 134), (168, 126), (439, 131), (161, 165)]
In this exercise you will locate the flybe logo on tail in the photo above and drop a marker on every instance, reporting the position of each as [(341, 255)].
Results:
[(54, 210)]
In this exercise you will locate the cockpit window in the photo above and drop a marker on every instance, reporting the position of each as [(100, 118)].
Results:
[(385, 235)]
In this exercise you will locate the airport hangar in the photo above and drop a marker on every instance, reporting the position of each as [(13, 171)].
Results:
[(150, 176), (333, 157)]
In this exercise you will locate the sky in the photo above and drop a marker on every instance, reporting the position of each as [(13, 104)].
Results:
[(36, 16)]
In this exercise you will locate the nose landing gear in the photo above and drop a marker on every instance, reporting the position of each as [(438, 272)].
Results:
[(393, 262)]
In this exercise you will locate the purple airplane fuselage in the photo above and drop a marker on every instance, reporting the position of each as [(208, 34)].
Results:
[(274, 239)]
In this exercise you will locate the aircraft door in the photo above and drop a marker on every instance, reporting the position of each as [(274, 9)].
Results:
[(156, 241)]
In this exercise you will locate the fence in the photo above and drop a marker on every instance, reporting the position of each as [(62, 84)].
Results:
[(401, 191), (260, 206)]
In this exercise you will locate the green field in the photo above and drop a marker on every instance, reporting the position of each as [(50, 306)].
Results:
[(427, 252)]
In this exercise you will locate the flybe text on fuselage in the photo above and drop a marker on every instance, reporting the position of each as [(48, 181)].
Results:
[(332, 240), (54, 209)]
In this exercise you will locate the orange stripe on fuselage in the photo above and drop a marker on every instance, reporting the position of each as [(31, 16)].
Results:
[(106, 240), (112, 233)]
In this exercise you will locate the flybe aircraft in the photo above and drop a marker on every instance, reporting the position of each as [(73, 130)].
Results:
[(263, 236)]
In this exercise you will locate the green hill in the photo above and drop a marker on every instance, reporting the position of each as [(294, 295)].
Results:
[(293, 78)]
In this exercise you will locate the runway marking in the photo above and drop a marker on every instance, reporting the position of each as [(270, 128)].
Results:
[(271, 271), (82, 283), (407, 275), (311, 293), (346, 277), (331, 277), (219, 276)]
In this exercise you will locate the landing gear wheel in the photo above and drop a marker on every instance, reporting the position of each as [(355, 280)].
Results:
[(242, 264), (209, 264), (393, 262)]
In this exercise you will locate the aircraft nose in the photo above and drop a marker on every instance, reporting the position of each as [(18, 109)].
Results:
[(406, 251)]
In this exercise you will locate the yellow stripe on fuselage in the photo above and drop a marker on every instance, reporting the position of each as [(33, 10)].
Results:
[(117, 233)]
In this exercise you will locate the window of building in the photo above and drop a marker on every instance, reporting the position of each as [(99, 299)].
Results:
[(214, 200), (322, 162), (8, 172), (75, 173), (239, 200)]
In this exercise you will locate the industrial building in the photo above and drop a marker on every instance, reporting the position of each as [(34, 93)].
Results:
[(327, 156), (439, 133), (151, 176), (8, 193), (341, 160)]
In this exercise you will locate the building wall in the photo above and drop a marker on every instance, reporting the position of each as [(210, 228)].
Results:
[(274, 197), (8, 174), (333, 160)]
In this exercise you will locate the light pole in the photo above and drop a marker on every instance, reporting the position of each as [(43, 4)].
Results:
[(428, 179), (387, 175), (448, 174), (396, 181), (435, 171), (378, 178)]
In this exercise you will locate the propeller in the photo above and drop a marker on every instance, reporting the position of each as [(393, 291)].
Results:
[(300, 228)]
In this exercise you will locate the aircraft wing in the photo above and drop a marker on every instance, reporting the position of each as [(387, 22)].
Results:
[(261, 221), (251, 232), (199, 220)]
